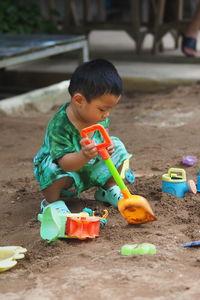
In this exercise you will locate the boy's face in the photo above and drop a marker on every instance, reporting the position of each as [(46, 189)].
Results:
[(98, 109)]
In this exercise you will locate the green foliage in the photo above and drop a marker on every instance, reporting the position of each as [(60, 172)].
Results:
[(23, 17)]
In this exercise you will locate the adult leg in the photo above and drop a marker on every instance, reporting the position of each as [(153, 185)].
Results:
[(189, 41), (194, 26)]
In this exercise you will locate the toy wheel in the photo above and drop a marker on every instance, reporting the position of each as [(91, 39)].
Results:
[(192, 186), (129, 176)]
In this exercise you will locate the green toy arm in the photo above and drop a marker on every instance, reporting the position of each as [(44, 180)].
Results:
[(115, 174)]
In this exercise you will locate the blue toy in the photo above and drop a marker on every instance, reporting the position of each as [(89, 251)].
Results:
[(129, 176), (192, 244), (127, 173), (174, 182), (198, 182)]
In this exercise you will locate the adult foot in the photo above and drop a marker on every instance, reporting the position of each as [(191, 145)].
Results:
[(189, 46)]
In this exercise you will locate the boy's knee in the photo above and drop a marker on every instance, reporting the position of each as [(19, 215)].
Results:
[(60, 184), (64, 182), (52, 192)]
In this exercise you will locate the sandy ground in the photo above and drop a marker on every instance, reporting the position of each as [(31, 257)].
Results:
[(159, 129)]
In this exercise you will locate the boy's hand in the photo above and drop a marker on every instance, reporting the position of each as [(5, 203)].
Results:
[(90, 150), (111, 148)]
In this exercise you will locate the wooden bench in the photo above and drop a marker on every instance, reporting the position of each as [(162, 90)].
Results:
[(137, 28)]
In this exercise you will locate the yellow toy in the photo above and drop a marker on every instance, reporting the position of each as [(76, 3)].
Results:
[(124, 168), (8, 256)]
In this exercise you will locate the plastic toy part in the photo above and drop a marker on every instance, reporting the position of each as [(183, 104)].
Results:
[(129, 176), (9, 255), (192, 244), (83, 227), (126, 173), (125, 167), (55, 224), (198, 182), (174, 182), (138, 213), (138, 249), (103, 220), (189, 160), (88, 210)]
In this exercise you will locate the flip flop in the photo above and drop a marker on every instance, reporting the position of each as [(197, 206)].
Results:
[(189, 45)]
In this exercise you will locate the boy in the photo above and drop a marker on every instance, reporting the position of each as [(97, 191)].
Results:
[(65, 165)]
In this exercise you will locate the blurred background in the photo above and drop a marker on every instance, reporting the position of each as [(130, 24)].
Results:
[(125, 31)]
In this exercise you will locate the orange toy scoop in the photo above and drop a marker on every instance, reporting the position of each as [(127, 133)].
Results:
[(135, 209)]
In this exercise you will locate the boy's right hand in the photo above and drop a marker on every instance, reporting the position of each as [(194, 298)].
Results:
[(89, 150)]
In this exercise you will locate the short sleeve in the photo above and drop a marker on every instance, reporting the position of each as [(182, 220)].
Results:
[(60, 145), (62, 138)]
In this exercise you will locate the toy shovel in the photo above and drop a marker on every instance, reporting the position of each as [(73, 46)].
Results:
[(135, 209)]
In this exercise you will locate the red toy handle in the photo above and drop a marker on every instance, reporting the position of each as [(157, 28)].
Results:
[(100, 147)]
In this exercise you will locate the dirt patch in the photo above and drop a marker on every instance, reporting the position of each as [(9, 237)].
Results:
[(158, 129)]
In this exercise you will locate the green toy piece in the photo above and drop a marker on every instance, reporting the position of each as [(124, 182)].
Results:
[(56, 223), (53, 223), (88, 210), (138, 249)]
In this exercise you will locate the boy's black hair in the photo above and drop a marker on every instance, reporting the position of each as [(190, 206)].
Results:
[(94, 79)]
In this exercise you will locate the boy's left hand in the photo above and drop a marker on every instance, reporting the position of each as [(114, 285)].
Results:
[(111, 148)]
